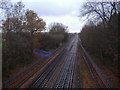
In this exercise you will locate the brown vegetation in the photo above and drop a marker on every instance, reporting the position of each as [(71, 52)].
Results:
[(101, 39), (22, 32)]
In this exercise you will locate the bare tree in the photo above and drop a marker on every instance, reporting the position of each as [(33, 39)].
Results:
[(100, 11)]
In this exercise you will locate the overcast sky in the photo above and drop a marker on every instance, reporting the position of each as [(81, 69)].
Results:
[(62, 11)]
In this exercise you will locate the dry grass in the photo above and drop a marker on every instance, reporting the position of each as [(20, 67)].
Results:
[(87, 80), (111, 76)]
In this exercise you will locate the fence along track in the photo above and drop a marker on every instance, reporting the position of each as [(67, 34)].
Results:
[(98, 76)]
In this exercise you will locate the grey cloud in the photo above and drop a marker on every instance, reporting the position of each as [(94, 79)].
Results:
[(52, 8), (65, 13)]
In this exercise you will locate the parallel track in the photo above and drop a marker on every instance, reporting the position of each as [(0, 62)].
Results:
[(66, 72), (43, 66), (66, 78), (59, 70), (43, 78), (19, 80), (95, 71)]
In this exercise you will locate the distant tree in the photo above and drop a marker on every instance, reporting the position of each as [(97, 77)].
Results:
[(57, 28), (58, 34)]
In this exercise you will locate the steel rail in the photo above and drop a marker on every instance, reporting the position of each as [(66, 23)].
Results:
[(95, 68), (66, 78), (42, 79), (13, 80), (39, 68)]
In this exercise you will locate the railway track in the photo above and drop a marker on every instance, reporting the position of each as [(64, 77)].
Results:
[(95, 71), (65, 77), (59, 71), (23, 76), (43, 78)]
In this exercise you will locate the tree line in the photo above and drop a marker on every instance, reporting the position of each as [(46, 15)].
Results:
[(23, 31), (100, 34)]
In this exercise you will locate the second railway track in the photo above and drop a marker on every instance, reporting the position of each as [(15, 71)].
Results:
[(97, 75), (60, 71)]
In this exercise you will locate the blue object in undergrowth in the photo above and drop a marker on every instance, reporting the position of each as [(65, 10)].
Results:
[(42, 55)]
